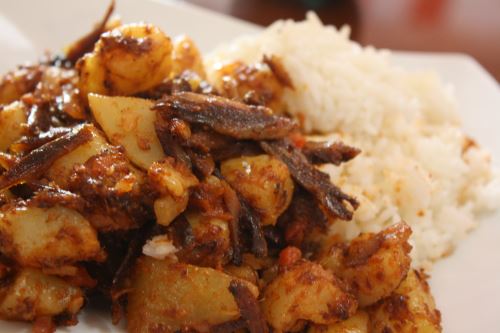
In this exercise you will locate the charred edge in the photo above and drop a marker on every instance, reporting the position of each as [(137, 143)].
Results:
[(249, 307), (226, 116), (326, 152), (313, 180), (86, 43), (40, 159)]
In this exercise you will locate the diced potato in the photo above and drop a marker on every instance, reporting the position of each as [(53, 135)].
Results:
[(211, 241), (186, 56), (166, 297), (47, 237), (129, 122), (264, 181), (410, 308), (355, 324), (12, 118), (305, 291), (172, 180), (126, 60), (61, 169), (374, 264), (33, 294), (167, 208), (16, 83)]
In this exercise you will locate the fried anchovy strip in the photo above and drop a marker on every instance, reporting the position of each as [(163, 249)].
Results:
[(39, 160), (226, 116), (249, 307), (328, 152), (313, 180), (86, 43)]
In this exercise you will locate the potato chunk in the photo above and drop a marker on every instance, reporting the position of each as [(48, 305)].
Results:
[(167, 297), (373, 264), (33, 294), (305, 292), (355, 324), (46, 237), (172, 180), (186, 56), (126, 60), (410, 308), (61, 169), (12, 118), (129, 122), (264, 181)]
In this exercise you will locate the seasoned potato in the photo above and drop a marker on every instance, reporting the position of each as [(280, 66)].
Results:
[(264, 181), (12, 118), (172, 180), (255, 83), (166, 297), (186, 56), (410, 308), (355, 324), (126, 60), (129, 122), (46, 237), (61, 169), (16, 83), (373, 264), (305, 291), (33, 294), (211, 243)]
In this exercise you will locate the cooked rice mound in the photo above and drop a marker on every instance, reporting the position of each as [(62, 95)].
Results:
[(416, 165)]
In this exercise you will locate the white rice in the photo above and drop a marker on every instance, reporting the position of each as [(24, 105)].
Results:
[(412, 167)]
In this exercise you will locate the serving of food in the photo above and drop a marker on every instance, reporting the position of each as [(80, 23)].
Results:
[(290, 181)]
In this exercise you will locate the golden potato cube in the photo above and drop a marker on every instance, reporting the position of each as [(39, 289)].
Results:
[(12, 118), (47, 237), (129, 122), (262, 180), (33, 294), (305, 291), (169, 296), (410, 308), (126, 60)]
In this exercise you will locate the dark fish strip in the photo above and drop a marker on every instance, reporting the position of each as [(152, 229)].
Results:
[(28, 143), (226, 116), (233, 205), (170, 146), (327, 152), (313, 180), (259, 244), (39, 160), (249, 307), (86, 43)]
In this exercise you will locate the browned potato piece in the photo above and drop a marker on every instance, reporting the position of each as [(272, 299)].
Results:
[(254, 83), (410, 308), (16, 83), (126, 60), (167, 297), (46, 237), (61, 169), (355, 324), (305, 292), (33, 294), (264, 181), (373, 264), (129, 122), (172, 180), (12, 118), (186, 56)]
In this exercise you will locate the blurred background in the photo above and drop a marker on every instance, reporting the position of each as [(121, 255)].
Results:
[(468, 26)]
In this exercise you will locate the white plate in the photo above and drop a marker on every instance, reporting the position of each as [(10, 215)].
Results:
[(466, 285)]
